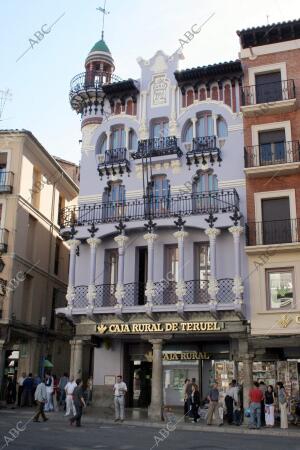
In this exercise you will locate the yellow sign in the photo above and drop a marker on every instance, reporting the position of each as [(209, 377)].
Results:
[(168, 327), (179, 356)]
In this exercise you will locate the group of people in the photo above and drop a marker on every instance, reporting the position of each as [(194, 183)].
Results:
[(192, 402), (263, 401)]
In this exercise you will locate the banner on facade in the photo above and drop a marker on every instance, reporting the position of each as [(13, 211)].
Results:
[(168, 327), (179, 356)]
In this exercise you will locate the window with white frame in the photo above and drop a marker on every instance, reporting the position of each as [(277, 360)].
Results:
[(280, 288)]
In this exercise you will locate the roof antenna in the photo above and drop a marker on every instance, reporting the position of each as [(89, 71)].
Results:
[(267, 19), (105, 13)]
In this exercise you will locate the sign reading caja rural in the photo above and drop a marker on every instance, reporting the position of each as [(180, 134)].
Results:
[(169, 327)]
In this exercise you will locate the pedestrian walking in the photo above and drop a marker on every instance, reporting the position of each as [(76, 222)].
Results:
[(195, 402), (79, 403), (120, 390), (27, 394), (89, 390), (232, 404), (213, 408), (55, 393), (20, 387), (255, 399), (187, 392), (61, 387), (263, 389), (70, 386), (40, 396), (282, 400), (49, 382), (269, 406)]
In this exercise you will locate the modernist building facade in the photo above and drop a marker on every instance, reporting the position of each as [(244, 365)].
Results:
[(34, 258), (158, 275), (270, 58)]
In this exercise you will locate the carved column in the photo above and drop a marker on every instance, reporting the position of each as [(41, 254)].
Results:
[(150, 289), (127, 130), (91, 295), (213, 288), (77, 345), (143, 127), (214, 119), (248, 376), (155, 408), (108, 134), (180, 287), (73, 244), (194, 121), (237, 288), (173, 122), (119, 294)]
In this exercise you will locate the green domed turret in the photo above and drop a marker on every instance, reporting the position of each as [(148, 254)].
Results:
[(100, 46)]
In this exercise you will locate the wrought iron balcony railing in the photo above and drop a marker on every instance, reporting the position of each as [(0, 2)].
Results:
[(268, 92), (221, 201), (6, 181), (159, 146), (197, 294), (273, 232), (91, 80), (273, 153), (204, 150), (114, 162), (205, 144), (3, 240)]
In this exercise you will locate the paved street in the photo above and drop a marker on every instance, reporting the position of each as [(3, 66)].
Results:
[(58, 435)]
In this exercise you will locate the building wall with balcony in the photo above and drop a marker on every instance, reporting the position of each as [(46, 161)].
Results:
[(272, 111), (35, 273)]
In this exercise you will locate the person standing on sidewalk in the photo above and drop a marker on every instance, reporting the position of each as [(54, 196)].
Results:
[(213, 408), (195, 401), (282, 399), (62, 393), (49, 388), (263, 389), (120, 390), (255, 398), (79, 403), (269, 406), (70, 386), (40, 396), (20, 387)]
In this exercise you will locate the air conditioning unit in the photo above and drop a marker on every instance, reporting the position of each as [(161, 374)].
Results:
[(101, 159)]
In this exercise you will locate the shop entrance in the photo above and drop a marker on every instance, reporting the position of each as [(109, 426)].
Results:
[(140, 384)]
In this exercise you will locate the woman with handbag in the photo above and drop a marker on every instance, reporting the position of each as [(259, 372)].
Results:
[(195, 400), (269, 406), (282, 400)]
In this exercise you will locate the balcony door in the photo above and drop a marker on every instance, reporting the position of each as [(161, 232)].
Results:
[(142, 275), (276, 226), (118, 138), (114, 201), (201, 272), (268, 87), (159, 195), (3, 168), (111, 260), (171, 273), (204, 193), (160, 128), (205, 126), (272, 147)]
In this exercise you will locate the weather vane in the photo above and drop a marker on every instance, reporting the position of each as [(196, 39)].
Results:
[(105, 13)]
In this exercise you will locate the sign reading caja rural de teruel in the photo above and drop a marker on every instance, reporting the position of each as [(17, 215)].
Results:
[(169, 327)]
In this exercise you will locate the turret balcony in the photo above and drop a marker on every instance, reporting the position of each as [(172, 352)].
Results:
[(204, 150), (158, 146), (113, 162)]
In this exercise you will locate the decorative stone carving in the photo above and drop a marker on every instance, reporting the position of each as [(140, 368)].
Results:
[(70, 296), (120, 292), (238, 288), (213, 288), (150, 237), (180, 235), (121, 240), (236, 230), (91, 294), (176, 166), (212, 233), (160, 90), (73, 243), (93, 242), (180, 289), (150, 291)]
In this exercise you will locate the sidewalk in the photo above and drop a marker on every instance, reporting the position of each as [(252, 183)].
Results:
[(138, 417)]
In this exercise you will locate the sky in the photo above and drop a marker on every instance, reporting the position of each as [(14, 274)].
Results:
[(39, 81)]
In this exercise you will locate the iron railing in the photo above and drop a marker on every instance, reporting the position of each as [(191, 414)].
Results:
[(3, 240), (165, 293), (115, 156), (268, 92), (6, 181), (220, 201), (273, 232), (91, 80), (158, 146), (204, 144), (273, 153)]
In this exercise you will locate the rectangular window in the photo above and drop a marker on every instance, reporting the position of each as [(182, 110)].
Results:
[(202, 263), (111, 266), (171, 262), (268, 87), (272, 148), (280, 288), (276, 226), (57, 255), (61, 205)]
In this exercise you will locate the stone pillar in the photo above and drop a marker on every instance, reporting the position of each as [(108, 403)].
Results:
[(143, 126), (237, 287), (73, 244), (248, 376), (155, 408), (127, 130), (150, 289), (194, 121), (173, 123), (108, 134), (180, 287), (119, 294), (77, 358), (91, 294), (72, 345), (214, 119), (2, 359), (213, 288)]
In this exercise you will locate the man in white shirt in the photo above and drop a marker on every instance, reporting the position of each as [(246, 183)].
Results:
[(70, 386), (40, 397), (20, 387), (120, 390)]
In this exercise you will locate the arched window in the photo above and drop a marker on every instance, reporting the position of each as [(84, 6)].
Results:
[(160, 128), (129, 107), (188, 132), (101, 147), (205, 125), (118, 108), (215, 93), (205, 182), (189, 97), (132, 140), (222, 130), (118, 137)]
